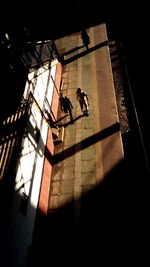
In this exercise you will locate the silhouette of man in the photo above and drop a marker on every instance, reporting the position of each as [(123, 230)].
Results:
[(85, 38), (66, 106), (83, 99), (62, 103)]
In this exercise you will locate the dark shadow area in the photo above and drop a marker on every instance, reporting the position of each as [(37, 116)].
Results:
[(9, 235), (111, 212), (12, 88), (135, 113), (6, 192)]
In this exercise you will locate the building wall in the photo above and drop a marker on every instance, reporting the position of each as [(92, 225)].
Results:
[(33, 172), (45, 186)]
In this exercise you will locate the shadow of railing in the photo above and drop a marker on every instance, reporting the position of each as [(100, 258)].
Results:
[(69, 122), (72, 50), (89, 141), (81, 54)]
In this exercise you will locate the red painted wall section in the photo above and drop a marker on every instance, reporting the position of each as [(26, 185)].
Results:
[(55, 99), (47, 171), (49, 149)]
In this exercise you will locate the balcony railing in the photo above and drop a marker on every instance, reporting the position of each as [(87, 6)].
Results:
[(35, 55)]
